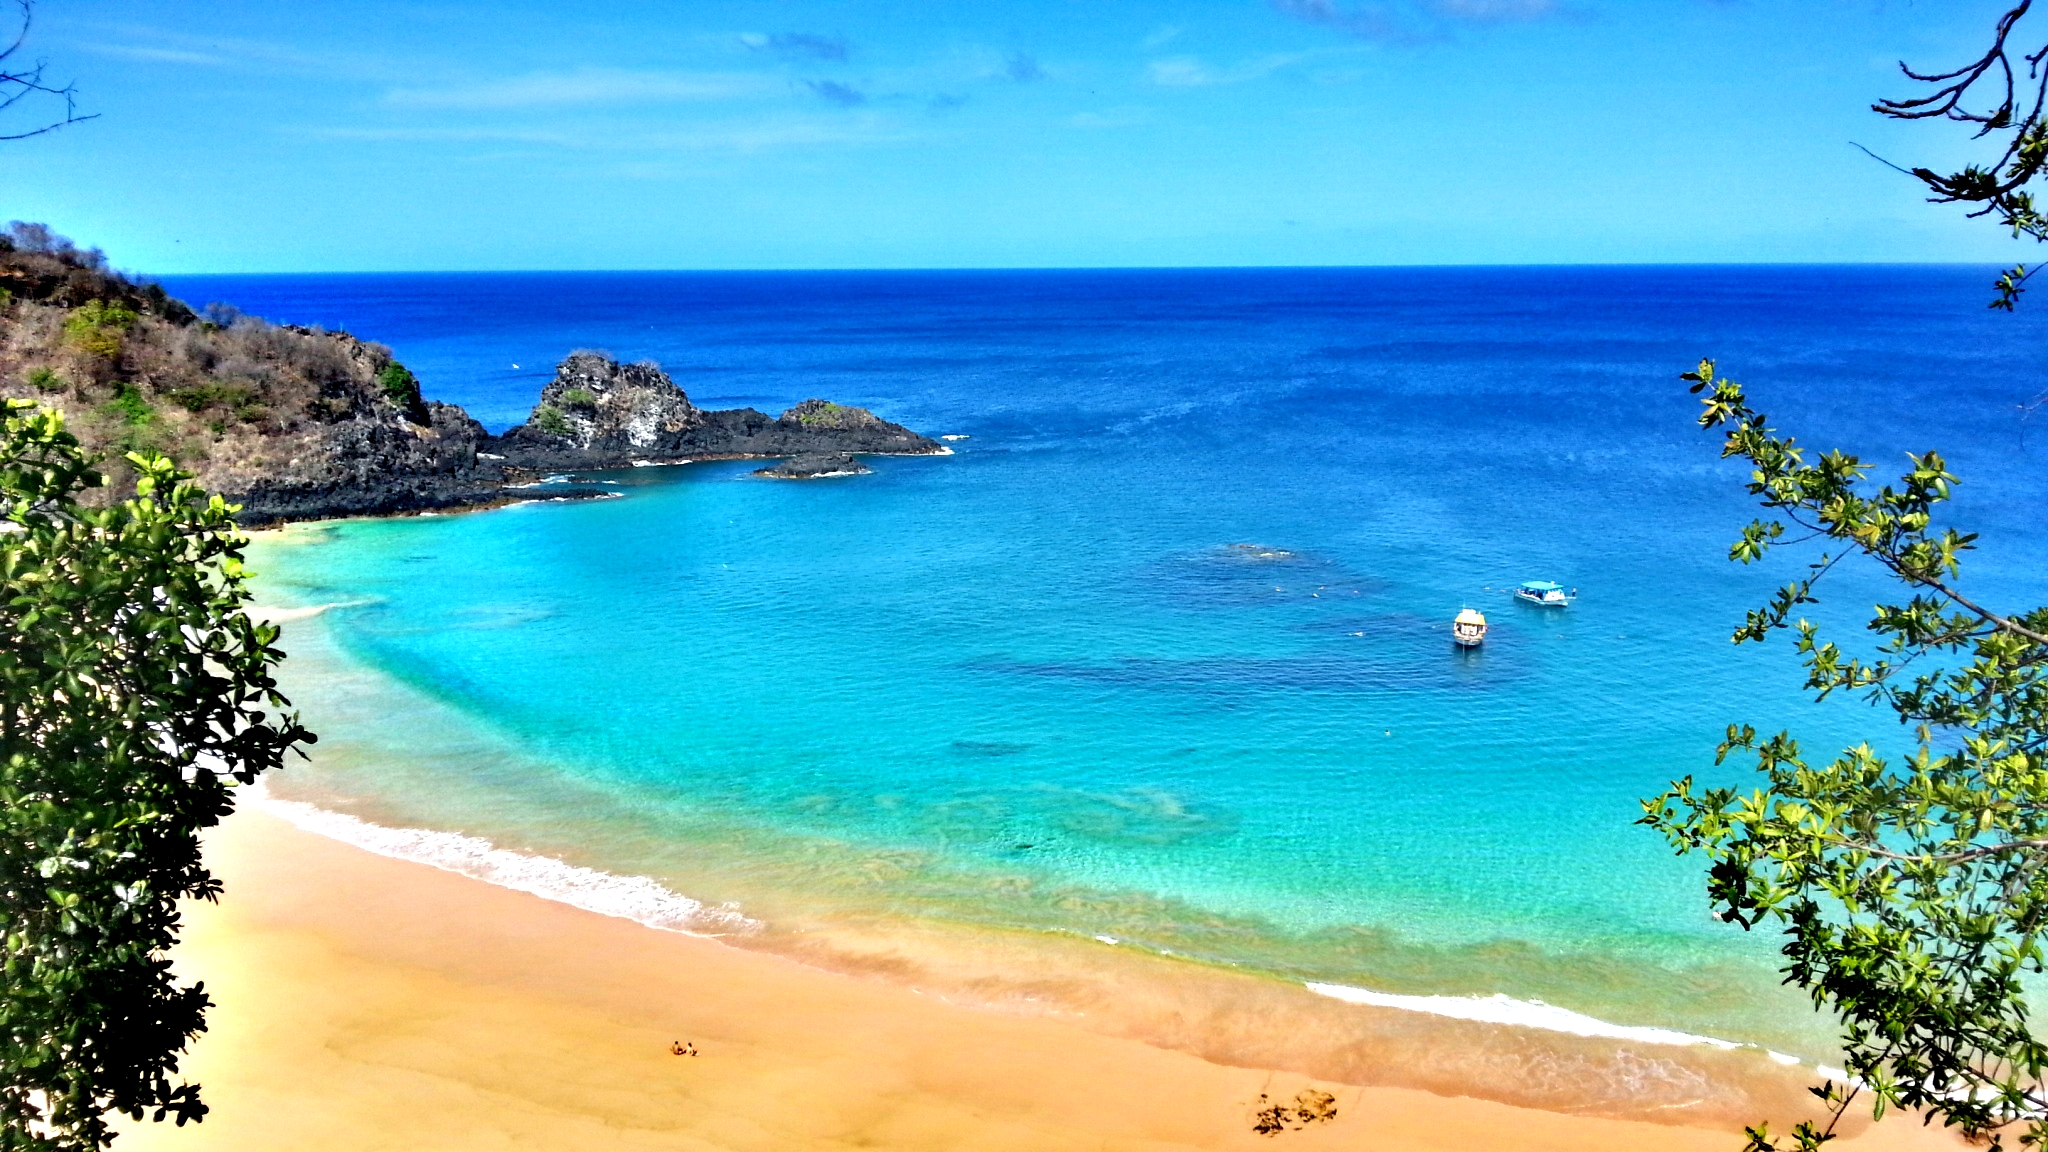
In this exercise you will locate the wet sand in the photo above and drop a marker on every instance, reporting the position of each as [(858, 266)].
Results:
[(369, 1003)]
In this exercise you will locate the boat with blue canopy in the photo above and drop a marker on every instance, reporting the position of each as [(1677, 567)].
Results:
[(1544, 593)]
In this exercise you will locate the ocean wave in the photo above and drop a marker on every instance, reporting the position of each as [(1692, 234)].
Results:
[(647, 902), (637, 898), (1501, 1008)]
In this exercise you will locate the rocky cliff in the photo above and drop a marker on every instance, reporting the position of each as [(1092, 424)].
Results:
[(289, 422), (298, 423)]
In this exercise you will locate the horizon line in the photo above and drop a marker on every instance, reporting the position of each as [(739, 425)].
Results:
[(1002, 268)]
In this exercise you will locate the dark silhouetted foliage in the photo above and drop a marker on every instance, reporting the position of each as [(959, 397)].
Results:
[(134, 691)]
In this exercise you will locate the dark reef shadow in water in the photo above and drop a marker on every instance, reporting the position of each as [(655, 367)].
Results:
[(1397, 654), (1246, 574), (1039, 816), (987, 748)]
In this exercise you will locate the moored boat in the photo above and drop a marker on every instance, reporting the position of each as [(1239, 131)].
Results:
[(1468, 629), (1544, 593)]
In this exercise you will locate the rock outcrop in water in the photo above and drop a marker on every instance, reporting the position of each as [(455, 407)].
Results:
[(815, 466), (598, 413)]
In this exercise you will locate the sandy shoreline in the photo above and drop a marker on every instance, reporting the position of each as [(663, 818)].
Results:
[(369, 1003)]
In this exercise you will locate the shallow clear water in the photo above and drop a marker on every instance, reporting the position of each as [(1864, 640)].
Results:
[(1043, 684)]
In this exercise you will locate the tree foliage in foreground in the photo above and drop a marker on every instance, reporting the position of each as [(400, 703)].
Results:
[(1911, 891), (133, 691)]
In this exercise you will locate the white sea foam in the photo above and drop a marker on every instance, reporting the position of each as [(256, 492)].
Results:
[(636, 898), (265, 614), (1500, 1008)]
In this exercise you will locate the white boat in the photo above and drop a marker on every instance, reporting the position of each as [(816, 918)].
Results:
[(1468, 629), (1545, 593)]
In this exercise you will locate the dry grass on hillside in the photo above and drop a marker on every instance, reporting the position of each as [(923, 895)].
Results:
[(131, 368)]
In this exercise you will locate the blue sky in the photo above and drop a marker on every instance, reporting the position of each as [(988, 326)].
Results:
[(364, 135)]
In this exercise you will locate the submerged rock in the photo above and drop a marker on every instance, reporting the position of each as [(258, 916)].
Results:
[(815, 465)]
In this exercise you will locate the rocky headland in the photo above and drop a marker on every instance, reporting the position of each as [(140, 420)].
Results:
[(297, 423)]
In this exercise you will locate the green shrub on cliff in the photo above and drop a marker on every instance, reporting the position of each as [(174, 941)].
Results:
[(98, 327), (820, 414), (579, 400), (550, 420), (134, 416), (134, 692), (399, 384)]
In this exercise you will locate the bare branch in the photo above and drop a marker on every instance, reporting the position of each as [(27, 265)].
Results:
[(18, 84)]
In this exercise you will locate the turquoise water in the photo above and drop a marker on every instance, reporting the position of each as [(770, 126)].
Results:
[(1161, 653)]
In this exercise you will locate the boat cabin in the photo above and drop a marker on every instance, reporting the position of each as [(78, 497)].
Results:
[(1543, 592), (1468, 629)]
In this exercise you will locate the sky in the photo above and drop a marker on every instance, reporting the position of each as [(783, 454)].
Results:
[(364, 135)]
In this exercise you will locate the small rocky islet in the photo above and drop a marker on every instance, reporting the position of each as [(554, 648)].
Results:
[(296, 423)]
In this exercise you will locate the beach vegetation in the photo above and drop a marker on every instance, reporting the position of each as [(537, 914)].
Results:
[(550, 420), (135, 693), (1911, 888), (579, 400)]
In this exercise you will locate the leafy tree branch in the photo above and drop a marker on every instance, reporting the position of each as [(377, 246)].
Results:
[(1910, 891), (135, 692)]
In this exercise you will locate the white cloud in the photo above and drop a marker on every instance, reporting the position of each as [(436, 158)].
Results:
[(1192, 72), (587, 86), (158, 55), (1412, 21), (737, 136)]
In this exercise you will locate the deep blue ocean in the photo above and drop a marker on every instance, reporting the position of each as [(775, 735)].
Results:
[(1158, 660)]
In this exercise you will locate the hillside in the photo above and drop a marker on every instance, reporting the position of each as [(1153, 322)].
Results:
[(299, 423), (276, 417)]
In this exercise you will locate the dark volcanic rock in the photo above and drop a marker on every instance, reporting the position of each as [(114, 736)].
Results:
[(597, 413), (373, 465), (814, 465)]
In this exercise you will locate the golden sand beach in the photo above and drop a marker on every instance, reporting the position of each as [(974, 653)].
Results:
[(368, 1003)]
